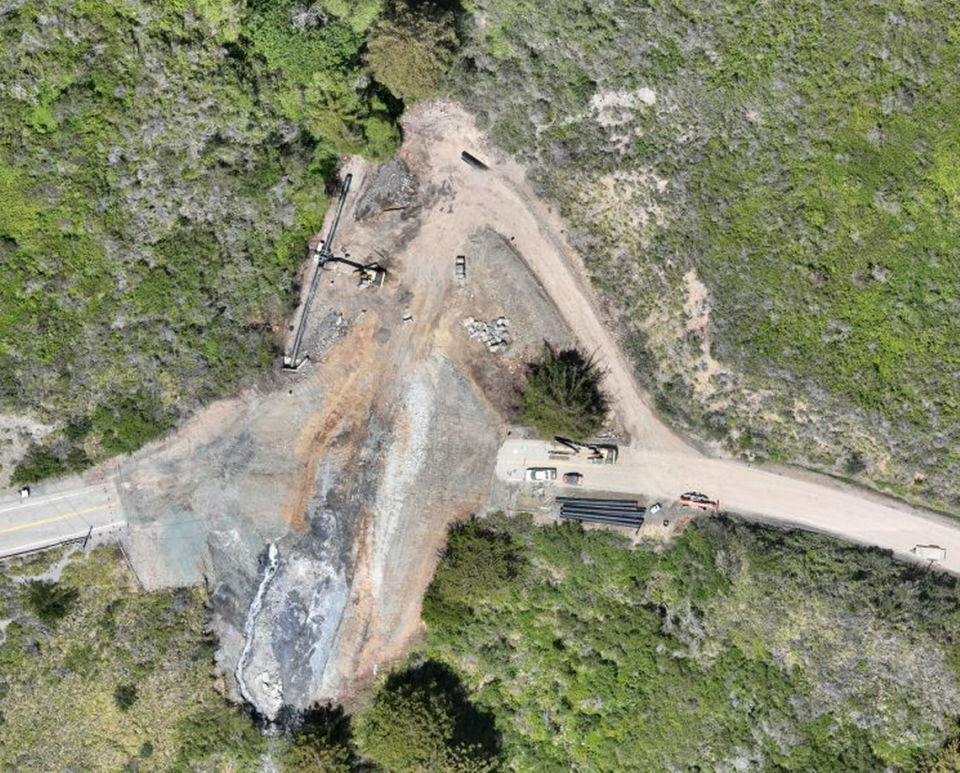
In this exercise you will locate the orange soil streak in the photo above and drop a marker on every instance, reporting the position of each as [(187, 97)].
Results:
[(347, 401)]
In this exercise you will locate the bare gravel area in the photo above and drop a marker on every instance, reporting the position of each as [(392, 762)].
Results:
[(353, 466)]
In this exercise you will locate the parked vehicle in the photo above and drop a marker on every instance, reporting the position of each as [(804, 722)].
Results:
[(461, 267), (541, 473), (654, 508), (929, 552), (699, 501), (573, 478), (25, 492)]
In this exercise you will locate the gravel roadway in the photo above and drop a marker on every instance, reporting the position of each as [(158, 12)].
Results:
[(750, 491), (658, 461)]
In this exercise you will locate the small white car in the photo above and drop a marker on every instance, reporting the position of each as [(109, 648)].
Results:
[(654, 509), (541, 473), (25, 492)]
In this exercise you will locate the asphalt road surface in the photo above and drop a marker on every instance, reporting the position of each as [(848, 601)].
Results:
[(755, 492), (66, 512)]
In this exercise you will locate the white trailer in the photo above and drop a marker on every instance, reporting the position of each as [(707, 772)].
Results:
[(929, 552)]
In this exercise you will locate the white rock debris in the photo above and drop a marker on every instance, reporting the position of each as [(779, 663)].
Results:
[(495, 334)]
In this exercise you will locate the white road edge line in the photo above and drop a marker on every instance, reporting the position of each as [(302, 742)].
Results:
[(53, 542)]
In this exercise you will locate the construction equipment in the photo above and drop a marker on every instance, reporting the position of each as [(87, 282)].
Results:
[(371, 274), (597, 453), (699, 501)]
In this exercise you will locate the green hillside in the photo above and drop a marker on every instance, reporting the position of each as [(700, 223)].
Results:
[(161, 167), (738, 648), (801, 160)]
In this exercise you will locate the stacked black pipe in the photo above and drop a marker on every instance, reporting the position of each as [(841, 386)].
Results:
[(617, 512)]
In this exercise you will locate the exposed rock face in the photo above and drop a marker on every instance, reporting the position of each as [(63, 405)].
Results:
[(393, 188)]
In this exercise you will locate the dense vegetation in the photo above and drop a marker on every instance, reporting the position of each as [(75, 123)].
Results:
[(738, 648), (161, 167), (562, 395), (96, 676), (799, 158)]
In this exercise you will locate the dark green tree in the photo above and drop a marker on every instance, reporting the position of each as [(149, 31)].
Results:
[(411, 49), (477, 563), (50, 601), (322, 744), (562, 395), (421, 720)]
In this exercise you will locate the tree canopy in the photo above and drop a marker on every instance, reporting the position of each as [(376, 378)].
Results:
[(421, 720), (562, 394), (412, 48)]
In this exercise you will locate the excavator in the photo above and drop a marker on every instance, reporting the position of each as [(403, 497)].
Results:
[(597, 453), (371, 275)]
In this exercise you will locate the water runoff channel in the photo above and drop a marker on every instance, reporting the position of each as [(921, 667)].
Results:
[(253, 612)]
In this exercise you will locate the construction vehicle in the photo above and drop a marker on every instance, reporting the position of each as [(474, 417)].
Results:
[(597, 453), (371, 274), (699, 501)]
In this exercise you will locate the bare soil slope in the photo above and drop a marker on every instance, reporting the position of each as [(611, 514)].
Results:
[(354, 466)]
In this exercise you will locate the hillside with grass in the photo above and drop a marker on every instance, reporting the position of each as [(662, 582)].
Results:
[(766, 194), (162, 166), (96, 675)]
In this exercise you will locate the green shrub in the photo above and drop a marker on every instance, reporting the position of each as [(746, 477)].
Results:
[(125, 695), (216, 732), (412, 48), (948, 760), (50, 601), (562, 395)]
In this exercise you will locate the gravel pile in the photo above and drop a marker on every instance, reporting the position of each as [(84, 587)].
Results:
[(495, 334)]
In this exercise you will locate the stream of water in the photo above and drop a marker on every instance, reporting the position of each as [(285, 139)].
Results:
[(273, 563)]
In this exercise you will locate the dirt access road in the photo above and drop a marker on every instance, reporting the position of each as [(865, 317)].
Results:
[(658, 460)]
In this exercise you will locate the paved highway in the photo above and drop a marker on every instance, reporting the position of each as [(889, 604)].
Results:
[(67, 511), (755, 492)]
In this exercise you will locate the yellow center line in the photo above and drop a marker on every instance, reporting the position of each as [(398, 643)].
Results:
[(55, 518)]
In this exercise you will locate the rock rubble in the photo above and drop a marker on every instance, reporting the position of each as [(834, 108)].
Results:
[(495, 334)]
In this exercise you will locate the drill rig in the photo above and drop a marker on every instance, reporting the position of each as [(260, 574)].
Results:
[(371, 275)]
